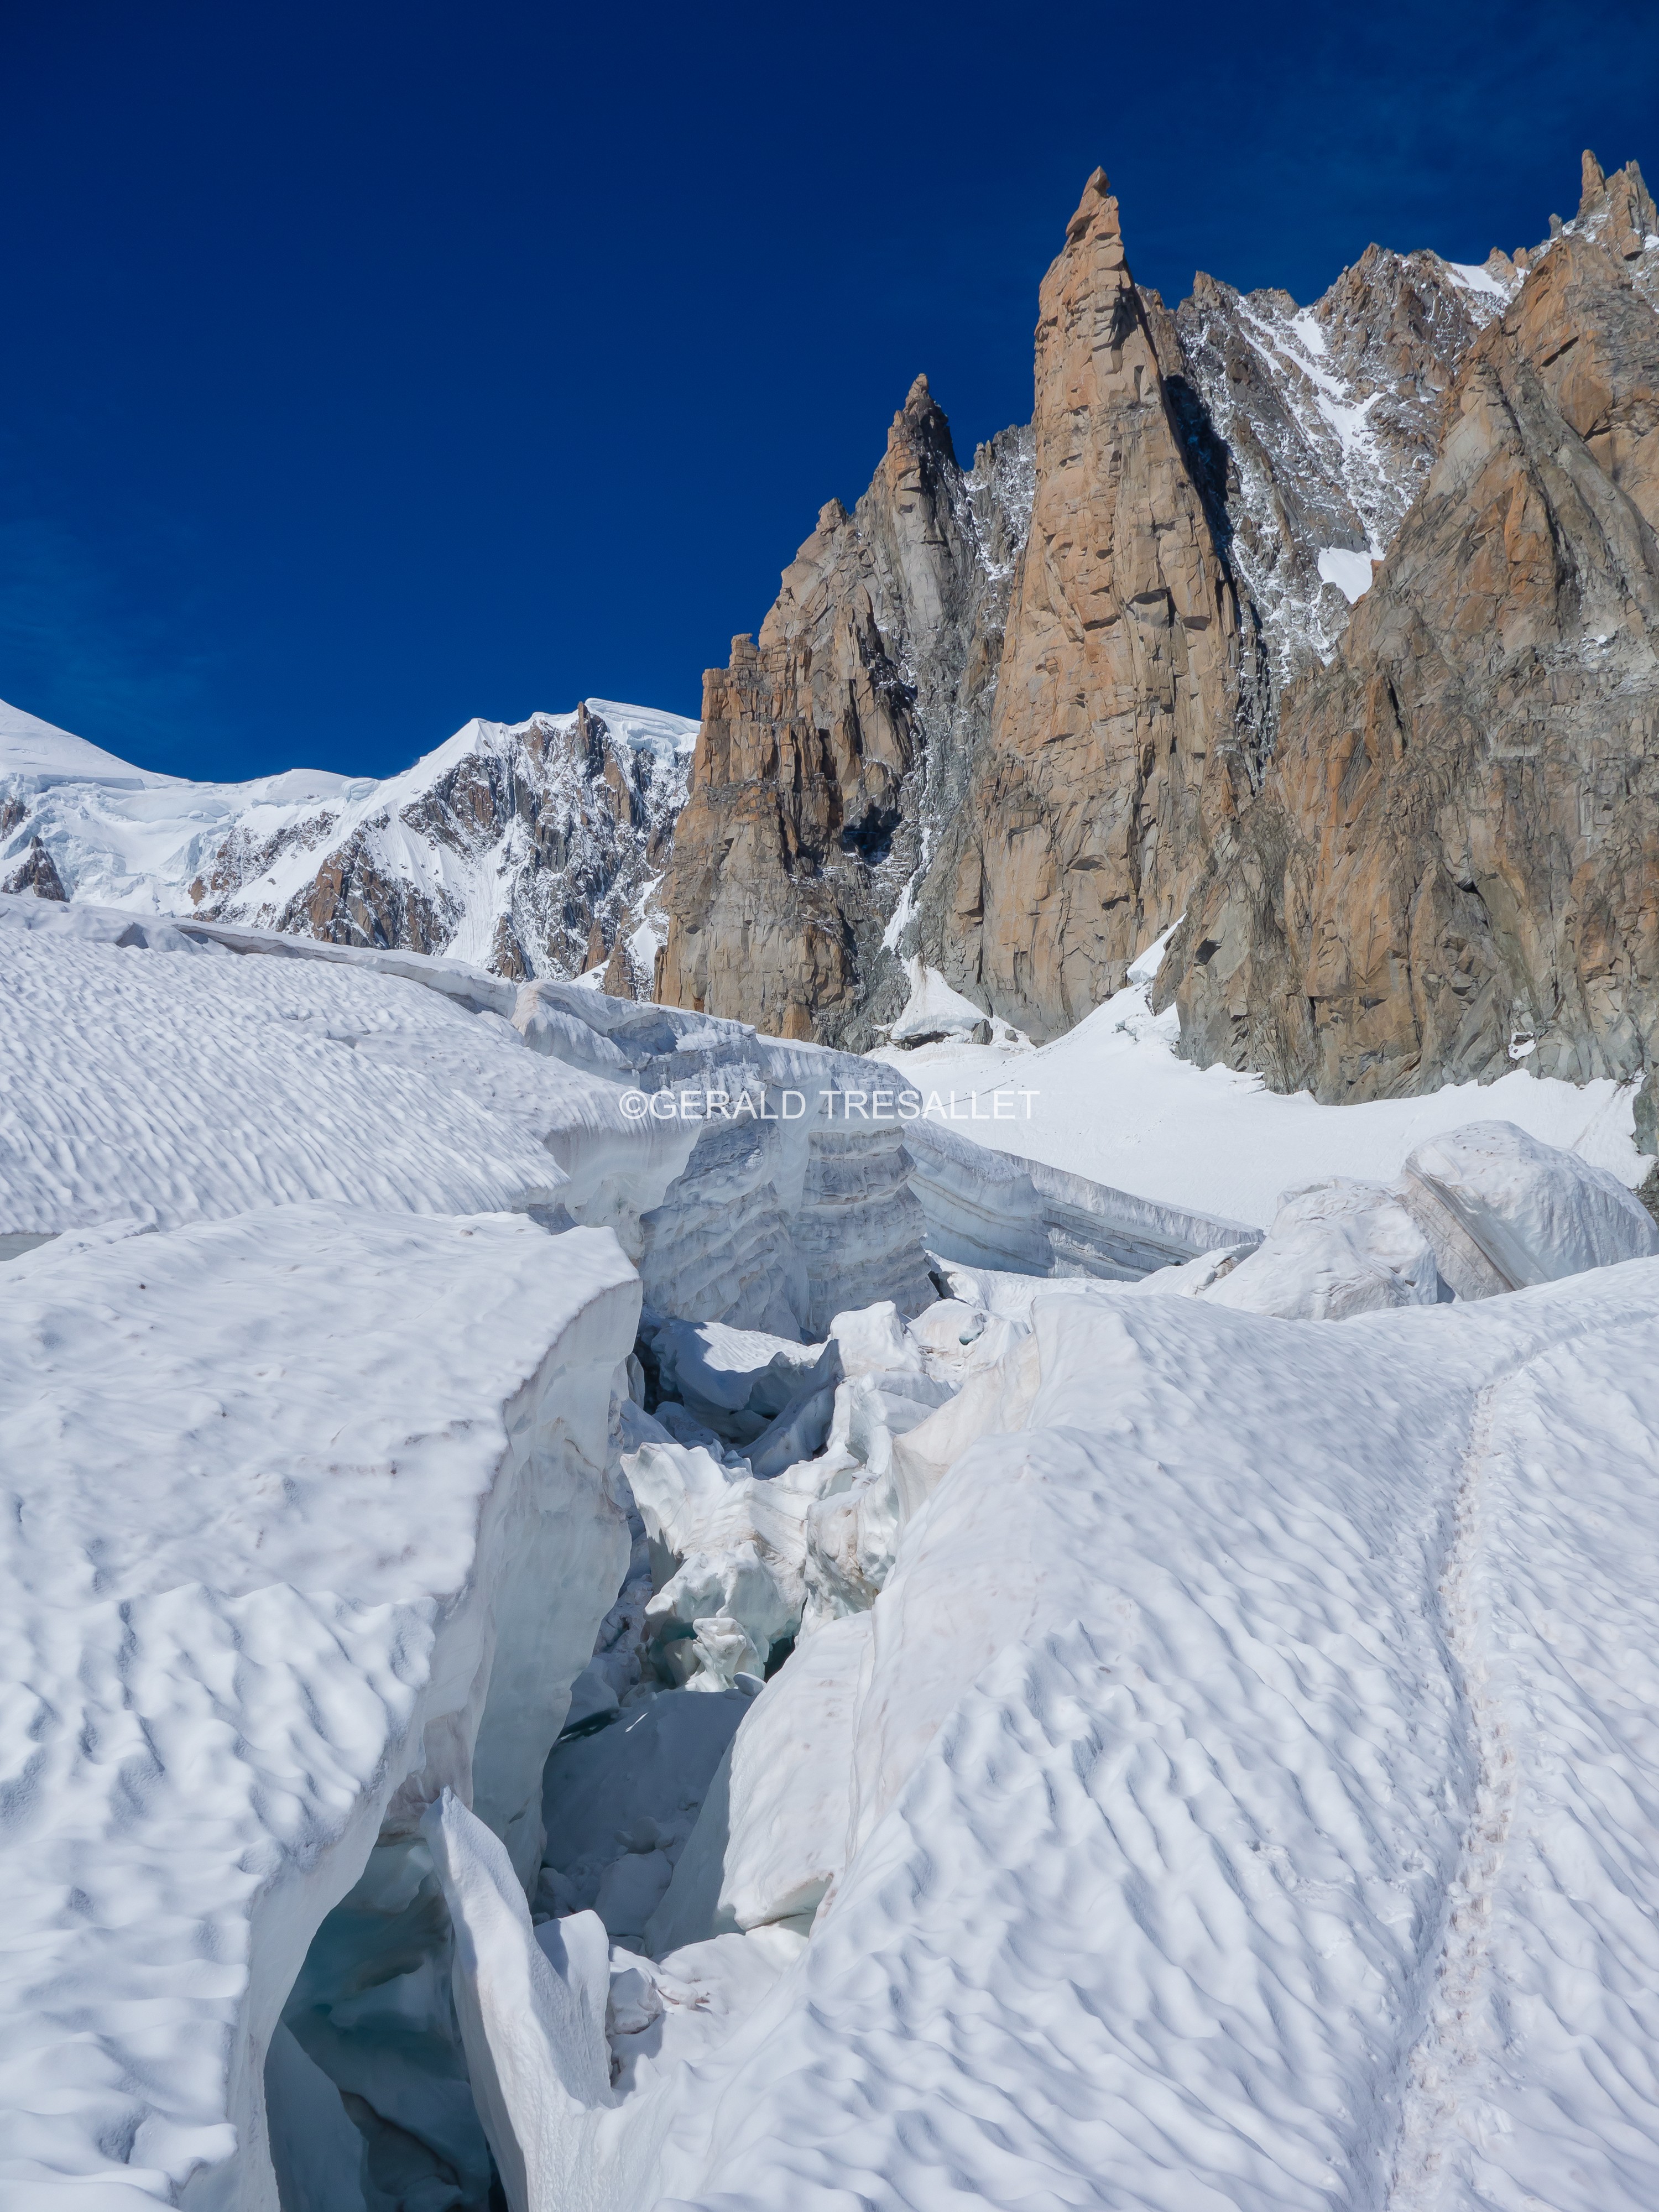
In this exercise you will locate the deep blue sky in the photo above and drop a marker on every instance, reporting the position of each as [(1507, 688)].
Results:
[(368, 367)]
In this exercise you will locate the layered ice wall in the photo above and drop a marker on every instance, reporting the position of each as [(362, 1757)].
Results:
[(868, 1172)]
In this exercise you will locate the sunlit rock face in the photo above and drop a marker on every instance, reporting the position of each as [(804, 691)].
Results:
[(1125, 686), (1449, 868), (832, 748), (1226, 629)]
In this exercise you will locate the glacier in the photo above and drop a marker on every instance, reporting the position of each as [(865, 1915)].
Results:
[(574, 1630), (1222, 1815), (266, 1560)]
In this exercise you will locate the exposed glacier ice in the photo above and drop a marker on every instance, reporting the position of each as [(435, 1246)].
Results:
[(632, 1793), (771, 1836)]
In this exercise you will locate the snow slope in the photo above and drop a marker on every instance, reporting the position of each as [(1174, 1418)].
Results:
[(1112, 1101), (32, 748), (169, 1086)]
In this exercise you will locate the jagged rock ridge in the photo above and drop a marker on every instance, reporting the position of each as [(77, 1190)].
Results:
[(36, 873), (1243, 441), (1327, 422), (833, 746), (1191, 658), (1128, 693), (1453, 865), (871, 774)]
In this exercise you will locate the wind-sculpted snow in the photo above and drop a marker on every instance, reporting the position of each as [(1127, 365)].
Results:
[(1337, 1248), (1533, 1214), (275, 1573), (165, 1085), (1537, 2081), (1247, 1812), (164, 1073)]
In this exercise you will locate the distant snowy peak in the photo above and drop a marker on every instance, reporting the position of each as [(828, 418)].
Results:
[(30, 747), (667, 738), (532, 848)]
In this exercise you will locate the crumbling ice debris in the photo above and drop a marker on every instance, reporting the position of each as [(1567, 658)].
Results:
[(736, 1381), (746, 1552), (771, 1835), (618, 1805), (1166, 1536), (1106, 1454)]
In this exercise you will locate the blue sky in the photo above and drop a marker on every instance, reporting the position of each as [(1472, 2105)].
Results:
[(367, 368)]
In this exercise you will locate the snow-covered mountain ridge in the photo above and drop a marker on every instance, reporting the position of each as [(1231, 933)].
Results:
[(1330, 416), (529, 848)]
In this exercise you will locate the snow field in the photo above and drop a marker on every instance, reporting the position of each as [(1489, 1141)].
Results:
[(1114, 1103), (164, 1087)]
